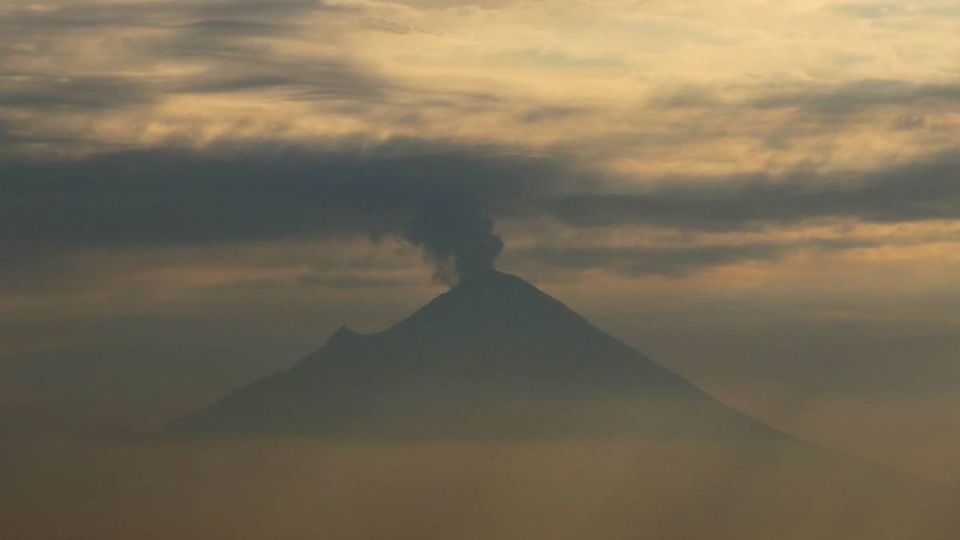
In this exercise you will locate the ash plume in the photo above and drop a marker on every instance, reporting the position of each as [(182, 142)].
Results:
[(456, 235)]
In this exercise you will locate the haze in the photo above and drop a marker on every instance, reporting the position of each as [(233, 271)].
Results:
[(763, 197)]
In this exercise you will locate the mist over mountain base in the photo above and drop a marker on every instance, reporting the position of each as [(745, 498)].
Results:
[(289, 488), (493, 413)]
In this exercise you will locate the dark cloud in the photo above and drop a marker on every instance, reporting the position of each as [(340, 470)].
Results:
[(81, 16), (14, 136), (258, 8), (352, 282), (440, 198), (231, 46), (43, 93), (674, 260), (859, 95), (548, 114), (928, 190), (668, 260), (235, 27), (435, 198), (318, 79), (814, 103), (156, 14)]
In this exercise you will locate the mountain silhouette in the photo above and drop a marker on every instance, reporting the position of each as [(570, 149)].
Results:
[(493, 357), (497, 370)]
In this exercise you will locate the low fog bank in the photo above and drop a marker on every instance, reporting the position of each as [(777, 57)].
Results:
[(300, 488)]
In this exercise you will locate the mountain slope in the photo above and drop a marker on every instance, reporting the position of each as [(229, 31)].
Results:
[(573, 434), (493, 357)]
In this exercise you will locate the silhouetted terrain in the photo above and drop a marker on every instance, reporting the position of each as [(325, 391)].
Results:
[(493, 413), (498, 383), (494, 357)]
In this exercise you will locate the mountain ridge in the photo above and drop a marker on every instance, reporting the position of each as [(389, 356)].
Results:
[(493, 357)]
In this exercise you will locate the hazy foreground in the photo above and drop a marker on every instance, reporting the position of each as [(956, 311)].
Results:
[(284, 488), (624, 449)]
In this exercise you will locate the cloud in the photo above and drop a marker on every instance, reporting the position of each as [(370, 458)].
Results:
[(673, 261), (66, 16), (214, 70), (882, 10), (926, 190), (436, 198), (678, 259), (443, 198), (319, 79), (846, 98), (549, 113), (868, 11), (90, 93), (222, 47)]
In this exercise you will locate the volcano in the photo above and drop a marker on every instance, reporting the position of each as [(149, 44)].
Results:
[(495, 387), (494, 357)]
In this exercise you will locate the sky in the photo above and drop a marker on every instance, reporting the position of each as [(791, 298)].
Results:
[(763, 196)]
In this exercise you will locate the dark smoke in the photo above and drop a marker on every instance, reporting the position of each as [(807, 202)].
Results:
[(456, 235)]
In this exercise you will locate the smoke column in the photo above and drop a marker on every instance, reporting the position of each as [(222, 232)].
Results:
[(456, 235)]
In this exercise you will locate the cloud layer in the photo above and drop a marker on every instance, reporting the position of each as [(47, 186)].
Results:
[(438, 197)]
